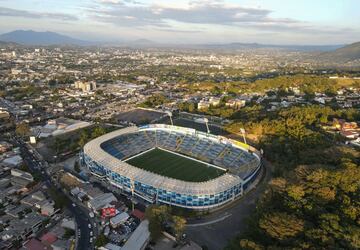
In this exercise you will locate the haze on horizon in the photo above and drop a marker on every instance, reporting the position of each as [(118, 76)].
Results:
[(179, 21)]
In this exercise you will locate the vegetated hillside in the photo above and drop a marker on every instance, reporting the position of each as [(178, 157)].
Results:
[(30, 37), (348, 53)]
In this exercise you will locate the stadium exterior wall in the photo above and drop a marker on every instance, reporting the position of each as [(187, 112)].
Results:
[(134, 185)]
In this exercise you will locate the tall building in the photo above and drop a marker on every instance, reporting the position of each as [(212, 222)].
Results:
[(85, 86)]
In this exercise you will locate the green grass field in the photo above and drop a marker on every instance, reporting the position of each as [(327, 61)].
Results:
[(171, 165)]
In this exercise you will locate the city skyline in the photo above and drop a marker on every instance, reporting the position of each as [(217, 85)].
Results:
[(270, 22)]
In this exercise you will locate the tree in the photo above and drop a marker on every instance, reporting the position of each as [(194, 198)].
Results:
[(68, 233), (101, 240), (155, 229), (98, 131), (22, 129), (250, 245), (281, 225), (83, 138), (179, 225), (157, 216)]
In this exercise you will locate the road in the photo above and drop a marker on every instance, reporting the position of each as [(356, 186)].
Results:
[(81, 217), (216, 230)]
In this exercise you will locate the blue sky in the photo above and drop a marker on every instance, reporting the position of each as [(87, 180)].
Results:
[(183, 21)]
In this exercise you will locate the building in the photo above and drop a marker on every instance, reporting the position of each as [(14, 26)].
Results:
[(119, 219), (206, 103), (203, 104), (4, 146), (106, 158), (4, 114), (85, 86), (21, 174), (139, 238), (341, 124), (235, 103), (349, 134), (13, 161), (101, 201)]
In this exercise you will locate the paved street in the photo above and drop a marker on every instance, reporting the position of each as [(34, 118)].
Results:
[(216, 230), (81, 216)]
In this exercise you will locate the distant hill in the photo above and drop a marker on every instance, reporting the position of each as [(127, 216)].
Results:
[(232, 46), (347, 53), (235, 46), (30, 37)]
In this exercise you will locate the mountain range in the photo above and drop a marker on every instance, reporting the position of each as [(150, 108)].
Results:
[(347, 53), (30, 37), (327, 52)]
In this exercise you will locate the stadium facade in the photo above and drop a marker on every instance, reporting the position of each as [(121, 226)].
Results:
[(106, 158)]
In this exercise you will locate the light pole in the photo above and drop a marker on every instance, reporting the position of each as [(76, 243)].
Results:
[(207, 125), (242, 130), (170, 116)]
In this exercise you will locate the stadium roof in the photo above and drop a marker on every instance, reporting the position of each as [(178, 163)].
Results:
[(93, 150)]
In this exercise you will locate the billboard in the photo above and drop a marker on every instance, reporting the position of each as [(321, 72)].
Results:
[(108, 212)]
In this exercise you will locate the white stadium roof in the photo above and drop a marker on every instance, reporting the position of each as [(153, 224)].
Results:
[(93, 150)]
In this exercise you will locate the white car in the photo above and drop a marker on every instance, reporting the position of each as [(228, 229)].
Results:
[(91, 233), (89, 225), (74, 205)]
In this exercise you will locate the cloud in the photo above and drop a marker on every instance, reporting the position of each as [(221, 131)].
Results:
[(196, 12), (29, 14)]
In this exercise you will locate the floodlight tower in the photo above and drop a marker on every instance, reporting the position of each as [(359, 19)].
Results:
[(207, 124), (170, 116), (242, 131)]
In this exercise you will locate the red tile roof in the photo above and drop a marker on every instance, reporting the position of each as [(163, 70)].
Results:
[(48, 238), (35, 244), (138, 214)]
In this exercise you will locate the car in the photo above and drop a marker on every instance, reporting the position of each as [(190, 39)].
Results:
[(91, 240), (74, 205), (89, 225), (91, 233)]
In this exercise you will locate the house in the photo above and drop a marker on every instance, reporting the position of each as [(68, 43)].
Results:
[(119, 219), (349, 134), (4, 146), (35, 244), (138, 214), (22, 174), (101, 201), (341, 124), (13, 161), (48, 238)]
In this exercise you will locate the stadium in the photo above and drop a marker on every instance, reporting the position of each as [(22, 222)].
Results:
[(173, 165)]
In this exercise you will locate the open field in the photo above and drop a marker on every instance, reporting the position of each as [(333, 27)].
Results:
[(139, 116), (172, 165)]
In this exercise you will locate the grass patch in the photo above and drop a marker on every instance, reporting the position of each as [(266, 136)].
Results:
[(172, 165)]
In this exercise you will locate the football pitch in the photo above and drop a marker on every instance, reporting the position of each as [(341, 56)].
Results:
[(172, 165)]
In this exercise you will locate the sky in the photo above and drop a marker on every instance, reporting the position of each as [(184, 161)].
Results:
[(300, 22)]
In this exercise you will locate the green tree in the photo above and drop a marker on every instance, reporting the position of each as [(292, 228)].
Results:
[(101, 240), (98, 131), (68, 233), (22, 129), (179, 224), (281, 225), (83, 138), (157, 216)]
